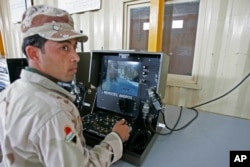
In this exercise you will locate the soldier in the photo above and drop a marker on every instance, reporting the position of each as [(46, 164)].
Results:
[(39, 124)]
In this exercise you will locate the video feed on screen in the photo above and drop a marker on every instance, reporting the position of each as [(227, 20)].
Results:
[(122, 77)]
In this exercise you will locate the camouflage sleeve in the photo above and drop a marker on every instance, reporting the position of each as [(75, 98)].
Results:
[(60, 145), (113, 143)]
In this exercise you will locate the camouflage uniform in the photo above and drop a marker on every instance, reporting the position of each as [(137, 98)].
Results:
[(40, 126)]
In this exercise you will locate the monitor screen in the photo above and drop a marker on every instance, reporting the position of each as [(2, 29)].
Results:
[(15, 66), (121, 77)]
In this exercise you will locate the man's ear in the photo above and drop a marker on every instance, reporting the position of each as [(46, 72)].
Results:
[(32, 52)]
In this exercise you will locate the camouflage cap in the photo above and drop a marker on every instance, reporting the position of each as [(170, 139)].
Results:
[(50, 23)]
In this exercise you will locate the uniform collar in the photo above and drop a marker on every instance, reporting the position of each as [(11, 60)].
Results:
[(36, 77), (31, 69)]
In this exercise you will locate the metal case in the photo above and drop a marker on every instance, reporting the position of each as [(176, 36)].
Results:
[(136, 85)]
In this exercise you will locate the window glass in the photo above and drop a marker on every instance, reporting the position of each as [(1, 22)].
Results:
[(179, 34), (139, 25)]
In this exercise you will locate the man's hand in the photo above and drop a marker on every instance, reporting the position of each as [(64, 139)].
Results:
[(122, 129)]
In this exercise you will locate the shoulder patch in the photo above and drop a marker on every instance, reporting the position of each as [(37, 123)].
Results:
[(70, 136)]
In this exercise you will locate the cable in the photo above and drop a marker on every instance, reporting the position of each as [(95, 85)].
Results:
[(164, 121), (223, 94), (194, 109)]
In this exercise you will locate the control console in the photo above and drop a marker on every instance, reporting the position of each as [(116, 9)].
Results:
[(129, 85)]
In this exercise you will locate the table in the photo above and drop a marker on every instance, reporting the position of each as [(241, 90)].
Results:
[(206, 142)]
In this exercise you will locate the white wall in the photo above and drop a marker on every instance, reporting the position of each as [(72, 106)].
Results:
[(225, 50)]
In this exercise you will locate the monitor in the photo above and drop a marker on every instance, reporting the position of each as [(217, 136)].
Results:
[(15, 65), (121, 77)]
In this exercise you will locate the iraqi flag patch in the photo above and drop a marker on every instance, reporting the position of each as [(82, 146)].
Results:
[(70, 135)]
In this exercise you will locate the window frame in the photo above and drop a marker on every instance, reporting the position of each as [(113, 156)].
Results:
[(193, 81)]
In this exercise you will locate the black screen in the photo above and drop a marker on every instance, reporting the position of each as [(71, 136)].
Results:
[(15, 66)]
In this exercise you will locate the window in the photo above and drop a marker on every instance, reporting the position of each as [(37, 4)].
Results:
[(137, 26), (179, 36)]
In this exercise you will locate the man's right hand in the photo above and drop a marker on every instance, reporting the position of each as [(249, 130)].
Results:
[(122, 129)]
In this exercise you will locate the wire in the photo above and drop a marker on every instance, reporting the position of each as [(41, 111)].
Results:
[(223, 94), (194, 109), (164, 121)]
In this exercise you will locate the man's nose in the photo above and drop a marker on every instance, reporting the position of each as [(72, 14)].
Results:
[(75, 57)]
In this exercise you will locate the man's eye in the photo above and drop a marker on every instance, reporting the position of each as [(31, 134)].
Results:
[(65, 48), (75, 47)]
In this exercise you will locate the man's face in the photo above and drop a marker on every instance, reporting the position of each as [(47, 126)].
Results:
[(59, 59)]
